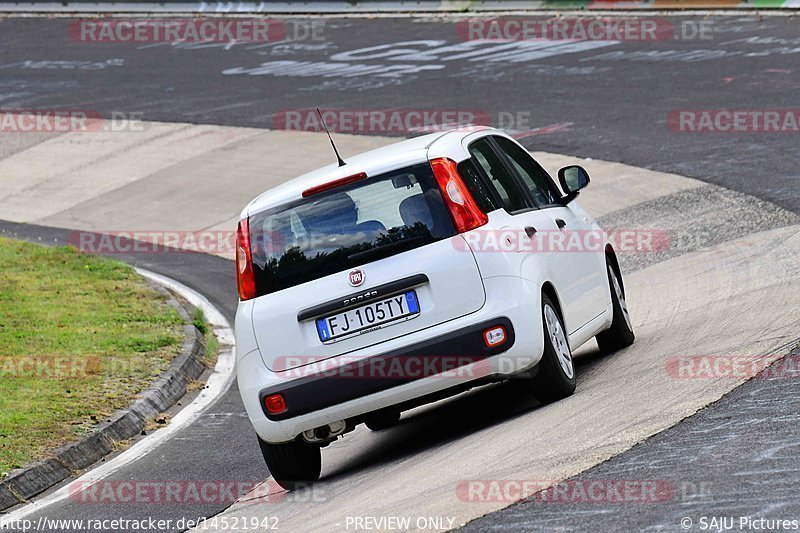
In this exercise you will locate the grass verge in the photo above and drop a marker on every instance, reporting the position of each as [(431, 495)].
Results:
[(212, 344), (80, 336)]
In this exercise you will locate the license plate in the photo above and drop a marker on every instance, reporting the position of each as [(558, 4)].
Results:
[(368, 317)]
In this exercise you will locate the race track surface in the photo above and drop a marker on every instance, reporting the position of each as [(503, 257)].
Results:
[(727, 285)]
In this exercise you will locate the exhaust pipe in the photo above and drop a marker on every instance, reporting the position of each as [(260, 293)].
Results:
[(325, 433)]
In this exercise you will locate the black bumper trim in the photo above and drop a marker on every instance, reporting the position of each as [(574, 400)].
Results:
[(447, 352)]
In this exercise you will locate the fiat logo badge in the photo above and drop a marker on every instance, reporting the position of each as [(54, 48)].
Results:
[(355, 278)]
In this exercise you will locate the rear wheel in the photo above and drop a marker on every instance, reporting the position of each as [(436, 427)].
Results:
[(620, 334), (383, 421), (556, 377), (292, 464)]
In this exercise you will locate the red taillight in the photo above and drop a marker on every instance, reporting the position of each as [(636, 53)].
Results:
[(465, 212), (244, 262), (333, 184), (275, 404)]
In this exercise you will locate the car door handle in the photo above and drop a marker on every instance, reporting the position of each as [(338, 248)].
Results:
[(530, 231), (560, 223)]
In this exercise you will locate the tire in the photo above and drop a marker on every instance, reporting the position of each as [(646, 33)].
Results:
[(292, 464), (383, 421), (556, 377), (620, 334)]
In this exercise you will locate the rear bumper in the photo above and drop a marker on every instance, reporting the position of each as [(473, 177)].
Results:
[(313, 401), (445, 356)]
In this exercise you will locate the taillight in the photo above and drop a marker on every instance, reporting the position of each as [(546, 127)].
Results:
[(245, 278), (341, 182), (465, 212), (275, 404)]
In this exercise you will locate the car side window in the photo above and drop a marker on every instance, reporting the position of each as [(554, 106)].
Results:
[(477, 186), (500, 179), (542, 188)]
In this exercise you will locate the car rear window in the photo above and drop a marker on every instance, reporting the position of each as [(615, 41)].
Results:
[(347, 227)]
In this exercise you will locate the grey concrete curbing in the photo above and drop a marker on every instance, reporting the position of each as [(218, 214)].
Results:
[(162, 394), (85, 453), (7, 498), (32, 480)]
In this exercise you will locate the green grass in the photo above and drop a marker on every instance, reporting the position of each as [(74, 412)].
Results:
[(80, 336), (212, 345), (199, 321)]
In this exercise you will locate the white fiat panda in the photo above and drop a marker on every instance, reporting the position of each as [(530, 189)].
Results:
[(412, 273)]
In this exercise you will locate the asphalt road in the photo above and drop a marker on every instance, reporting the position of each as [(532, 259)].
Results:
[(734, 460), (616, 96), (609, 102)]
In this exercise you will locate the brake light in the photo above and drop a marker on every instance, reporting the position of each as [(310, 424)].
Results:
[(245, 279), (465, 212), (333, 184), (275, 404)]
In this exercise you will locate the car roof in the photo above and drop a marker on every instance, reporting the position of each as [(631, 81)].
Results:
[(378, 161)]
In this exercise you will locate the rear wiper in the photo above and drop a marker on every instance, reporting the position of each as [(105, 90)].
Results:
[(385, 249)]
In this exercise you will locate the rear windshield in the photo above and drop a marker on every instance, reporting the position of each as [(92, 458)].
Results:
[(347, 227)]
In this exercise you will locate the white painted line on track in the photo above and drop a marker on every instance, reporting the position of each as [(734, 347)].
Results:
[(217, 384)]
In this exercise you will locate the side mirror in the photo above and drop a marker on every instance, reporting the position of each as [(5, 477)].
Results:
[(573, 178)]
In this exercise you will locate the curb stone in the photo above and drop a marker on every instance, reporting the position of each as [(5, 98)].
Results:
[(24, 483)]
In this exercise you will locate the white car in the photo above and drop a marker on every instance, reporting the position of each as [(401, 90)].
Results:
[(411, 273)]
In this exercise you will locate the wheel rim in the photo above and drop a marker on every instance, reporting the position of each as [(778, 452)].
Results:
[(620, 298), (558, 341)]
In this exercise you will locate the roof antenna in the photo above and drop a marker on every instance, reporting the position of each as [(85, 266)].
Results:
[(335, 151)]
